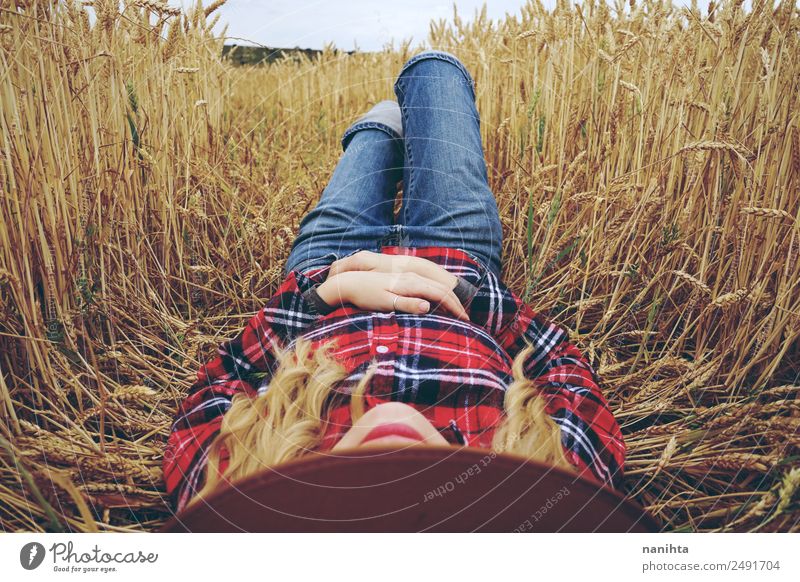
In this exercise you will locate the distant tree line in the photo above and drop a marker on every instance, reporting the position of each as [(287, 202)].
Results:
[(254, 55)]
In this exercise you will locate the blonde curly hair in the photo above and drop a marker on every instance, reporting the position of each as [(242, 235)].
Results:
[(288, 419)]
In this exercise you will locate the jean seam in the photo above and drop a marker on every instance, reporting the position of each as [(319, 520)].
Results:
[(412, 175), (347, 135)]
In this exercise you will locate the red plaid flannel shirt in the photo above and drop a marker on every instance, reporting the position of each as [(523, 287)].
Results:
[(445, 368)]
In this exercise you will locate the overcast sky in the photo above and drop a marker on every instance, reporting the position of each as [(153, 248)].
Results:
[(349, 24)]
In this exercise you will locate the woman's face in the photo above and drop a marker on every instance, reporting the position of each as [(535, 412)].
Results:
[(391, 423)]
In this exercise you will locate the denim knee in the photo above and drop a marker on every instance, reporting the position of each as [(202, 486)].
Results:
[(351, 131), (437, 58)]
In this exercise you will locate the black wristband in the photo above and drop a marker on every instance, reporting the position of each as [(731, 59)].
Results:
[(316, 303), (465, 291)]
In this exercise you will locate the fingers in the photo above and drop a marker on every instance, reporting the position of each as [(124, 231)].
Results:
[(397, 264), (360, 261), (431, 270), (413, 285), (409, 304)]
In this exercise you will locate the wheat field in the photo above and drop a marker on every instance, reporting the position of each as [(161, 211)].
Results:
[(646, 163)]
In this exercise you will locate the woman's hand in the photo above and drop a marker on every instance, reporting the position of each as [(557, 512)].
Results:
[(376, 291), (379, 262)]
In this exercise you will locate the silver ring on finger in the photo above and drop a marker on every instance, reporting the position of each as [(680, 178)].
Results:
[(394, 302)]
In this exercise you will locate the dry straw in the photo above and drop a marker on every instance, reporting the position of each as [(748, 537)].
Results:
[(151, 193)]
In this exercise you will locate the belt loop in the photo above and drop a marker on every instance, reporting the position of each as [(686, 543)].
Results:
[(393, 237)]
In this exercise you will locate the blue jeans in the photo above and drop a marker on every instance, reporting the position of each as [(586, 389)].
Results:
[(447, 201)]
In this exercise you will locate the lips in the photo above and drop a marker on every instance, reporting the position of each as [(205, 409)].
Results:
[(392, 428)]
